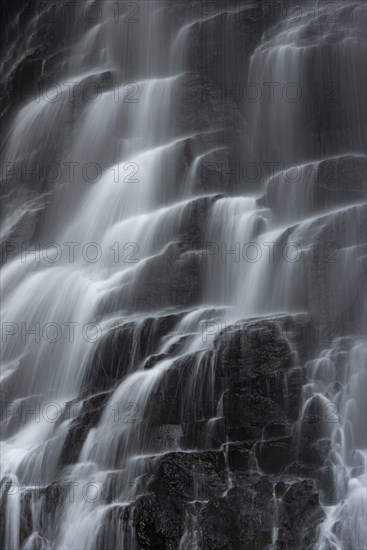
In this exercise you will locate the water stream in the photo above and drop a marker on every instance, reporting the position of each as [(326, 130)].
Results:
[(100, 242)]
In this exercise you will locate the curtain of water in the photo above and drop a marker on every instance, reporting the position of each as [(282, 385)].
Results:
[(140, 201)]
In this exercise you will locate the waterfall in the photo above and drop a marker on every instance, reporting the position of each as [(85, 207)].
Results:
[(154, 310)]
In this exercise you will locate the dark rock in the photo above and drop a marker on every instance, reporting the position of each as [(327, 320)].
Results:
[(280, 489), (328, 491), (328, 184), (221, 38), (193, 224), (123, 347), (188, 476), (276, 430), (275, 454), (178, 346), (251, 413), (48, 502), (334, 242), (154, 359), (179, 398), (73, 444), (178, 478), (313, 427), (258, 360), (91, 411), (298, 468), (238, 455), (166, 437), (204, 434), (247, 511), (117, 528), (320, 451), (254, 349), (173, 277), (302, 514), (157, 527)]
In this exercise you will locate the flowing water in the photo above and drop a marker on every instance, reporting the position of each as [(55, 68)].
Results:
[(100, 242)]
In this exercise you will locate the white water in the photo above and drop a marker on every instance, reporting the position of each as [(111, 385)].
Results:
[(143, 209)]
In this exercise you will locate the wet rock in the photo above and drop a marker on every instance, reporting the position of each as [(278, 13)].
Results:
[(301, 516), (172, 278), (178, 478), (6, 486), (204, 434), (176, 347), (73, 444), (221, 38), (117, 528), (166, 437), (157, 526), (22, 231), (333, 482), (193, 225), (265, 346), (36, 542), (257, 360), (238, 455), (280, 489), (241, 519), (335, 241), (40, 512), (202, 109), (111, 360), (180, 399), (276, 430), (314, 426), (125, 346), (253, 349), (91, 412), (320, 451), (328, 184), (301, 469), (214, 171), (188, 476), (275, 454), (154, 359), (247, 414)]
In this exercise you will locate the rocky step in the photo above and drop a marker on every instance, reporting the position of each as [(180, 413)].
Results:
[(315, 187)]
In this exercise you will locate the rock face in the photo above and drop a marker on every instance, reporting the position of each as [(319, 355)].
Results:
[(37, 47), (324, 185), (231, 493), (254, 360)]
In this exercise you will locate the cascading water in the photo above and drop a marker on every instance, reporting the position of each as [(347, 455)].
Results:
[(124, 353)]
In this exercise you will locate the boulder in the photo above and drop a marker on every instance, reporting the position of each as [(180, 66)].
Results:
[(301, 517), (275, 454), (172, 278), (89, 416), (240, 519)]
